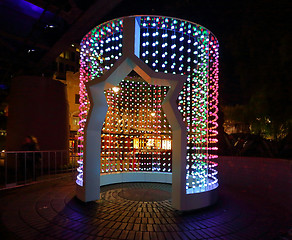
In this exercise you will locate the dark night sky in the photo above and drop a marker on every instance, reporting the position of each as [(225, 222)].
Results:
[(254, 38)]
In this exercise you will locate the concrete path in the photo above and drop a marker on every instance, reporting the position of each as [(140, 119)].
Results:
[(136, 211)]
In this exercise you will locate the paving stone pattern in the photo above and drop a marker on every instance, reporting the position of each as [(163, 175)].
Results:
[(51, 211)]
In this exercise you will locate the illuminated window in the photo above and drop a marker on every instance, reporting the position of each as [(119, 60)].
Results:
[(166, 144), (75, 121)]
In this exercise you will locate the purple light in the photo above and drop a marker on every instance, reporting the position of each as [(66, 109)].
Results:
[(24, 7)]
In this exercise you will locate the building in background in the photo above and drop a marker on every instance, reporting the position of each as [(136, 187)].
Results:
[(67, 72)]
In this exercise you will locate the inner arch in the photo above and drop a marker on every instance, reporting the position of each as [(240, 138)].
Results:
[(136, 135)]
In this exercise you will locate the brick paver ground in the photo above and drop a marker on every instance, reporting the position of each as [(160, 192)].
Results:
[(136, 211)]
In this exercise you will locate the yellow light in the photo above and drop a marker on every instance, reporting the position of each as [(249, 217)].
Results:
[(136, 143), (116, 89)]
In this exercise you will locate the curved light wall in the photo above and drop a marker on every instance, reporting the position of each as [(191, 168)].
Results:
[(170, 46)]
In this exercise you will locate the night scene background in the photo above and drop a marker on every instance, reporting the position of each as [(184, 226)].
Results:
[(255, 57), (39, 97)]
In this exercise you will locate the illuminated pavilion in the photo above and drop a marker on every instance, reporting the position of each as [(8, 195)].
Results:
[(148, 108)]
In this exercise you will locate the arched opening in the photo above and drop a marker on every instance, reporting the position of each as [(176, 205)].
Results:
[(136, 135)]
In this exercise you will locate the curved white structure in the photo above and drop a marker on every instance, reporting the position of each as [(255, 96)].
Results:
[(176, 84)]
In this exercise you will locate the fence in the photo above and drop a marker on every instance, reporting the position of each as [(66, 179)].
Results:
[(19, 168)]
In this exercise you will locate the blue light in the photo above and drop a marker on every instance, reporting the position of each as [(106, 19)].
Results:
[(25, 7)]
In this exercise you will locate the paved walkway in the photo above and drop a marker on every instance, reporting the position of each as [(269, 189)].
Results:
[(136, 211)]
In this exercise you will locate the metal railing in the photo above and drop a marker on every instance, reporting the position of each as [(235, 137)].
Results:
[(18, 168)]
